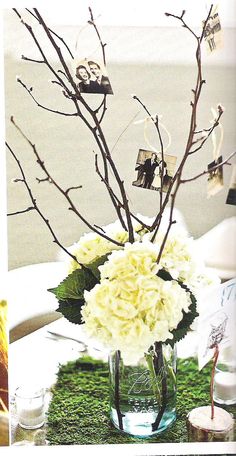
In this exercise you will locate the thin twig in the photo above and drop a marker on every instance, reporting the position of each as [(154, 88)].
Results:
[(103, 45), (72, 188), (30, 30), (45, 107), (208, 171), (35, 205), (54, 33), (23, 57), (120, 204), (23, 211), (215, 359), (72, 206), (156, 123), (175, 183), (46, 179), (183, 22), (215, 124), (116, 202)]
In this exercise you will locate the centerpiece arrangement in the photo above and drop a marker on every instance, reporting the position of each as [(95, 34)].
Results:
[(139, 309), (133, 283)]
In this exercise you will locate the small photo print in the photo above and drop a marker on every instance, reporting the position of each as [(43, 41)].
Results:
[(231, 197), (213, 32), (92, 77), (215, 178), (149, 166)]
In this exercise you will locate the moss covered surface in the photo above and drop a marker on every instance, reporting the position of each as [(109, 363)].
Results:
[(79, 410)]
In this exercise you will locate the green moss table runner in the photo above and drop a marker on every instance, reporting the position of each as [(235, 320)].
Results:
[(78, 412)]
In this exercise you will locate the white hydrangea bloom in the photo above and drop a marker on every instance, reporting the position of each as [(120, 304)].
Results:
[(181, 259), (131, 307), (92, 246)]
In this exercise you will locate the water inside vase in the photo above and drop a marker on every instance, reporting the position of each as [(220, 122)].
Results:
[(139, 415), (140, 407)]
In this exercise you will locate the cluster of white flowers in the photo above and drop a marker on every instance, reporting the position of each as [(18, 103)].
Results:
[(181, 259), (92, 246), (132, 307)]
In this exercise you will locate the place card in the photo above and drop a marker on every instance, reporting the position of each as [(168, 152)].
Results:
[(216, 323)]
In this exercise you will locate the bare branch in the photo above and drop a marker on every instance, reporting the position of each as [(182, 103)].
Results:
[(120, 204), (156, 123), (23, 57), (192, 128), (115, 200), (72, 188), (45, 107), (46, 179), (215, 124), (208, 171), (72, 207), (21, 212), (104, 106), (103, 45), (54, 33), (35, 205), (180, 18), (29, 28)]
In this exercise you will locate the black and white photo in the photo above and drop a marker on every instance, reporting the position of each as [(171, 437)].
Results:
[(231, 197), (149, 167), (93, 78), (215, 177)]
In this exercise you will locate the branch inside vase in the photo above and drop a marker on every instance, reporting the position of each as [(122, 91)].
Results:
[(117, 389)]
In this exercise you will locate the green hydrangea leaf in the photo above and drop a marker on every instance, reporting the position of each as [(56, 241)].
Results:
[(164, 275), (188, 318), (73, 286), (95, 264), (71, 310)]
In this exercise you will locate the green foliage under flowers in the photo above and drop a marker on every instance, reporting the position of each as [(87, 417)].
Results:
[(70, 292), (73, 286)]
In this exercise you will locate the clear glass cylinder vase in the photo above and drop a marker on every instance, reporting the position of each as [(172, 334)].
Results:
[(143, 395)]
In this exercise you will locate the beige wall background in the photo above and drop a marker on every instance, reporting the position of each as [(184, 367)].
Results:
[(157, 64)]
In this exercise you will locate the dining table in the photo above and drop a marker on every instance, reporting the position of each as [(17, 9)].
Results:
[(35, 359)]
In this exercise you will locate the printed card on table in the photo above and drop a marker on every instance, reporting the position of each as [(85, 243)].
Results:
[(217, 320)]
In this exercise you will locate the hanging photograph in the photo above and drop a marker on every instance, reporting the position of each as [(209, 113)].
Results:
[(92, 76), (149, 166), (215, 178), (231, 197), (213, 32)]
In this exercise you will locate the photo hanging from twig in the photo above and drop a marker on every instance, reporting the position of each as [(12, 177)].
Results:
[(215, 177), (149, 167), (93, 78), (213, 32), (231, 197)]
